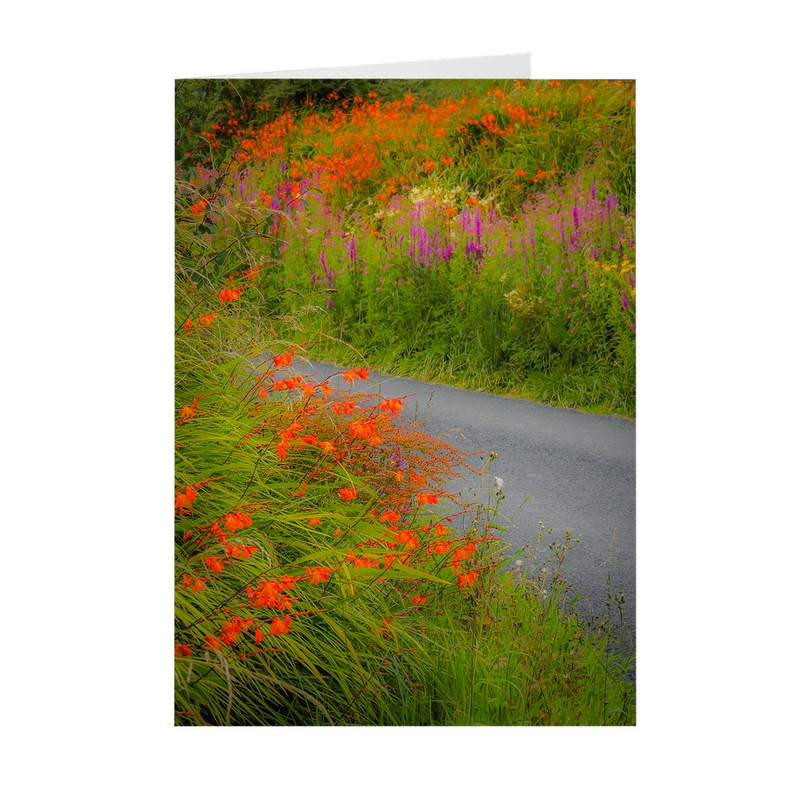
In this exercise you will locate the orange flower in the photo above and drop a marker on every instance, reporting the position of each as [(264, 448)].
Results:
[(392, 406), (348, 494), (284, 359), (361, 562), (279, 626), (424, 499), (232, 522), (327, 447), (466, 580), (214, 564), (229, 295), (288, 581), (361, 430), (419, 600), (351, 375), (213, 643), (315, 522), (183, 650), (318, 574), (258, 636)]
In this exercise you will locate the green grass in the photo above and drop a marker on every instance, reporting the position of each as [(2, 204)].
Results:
[(582, 390)]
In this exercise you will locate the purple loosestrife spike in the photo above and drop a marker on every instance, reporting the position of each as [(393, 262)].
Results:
[(624, 298)]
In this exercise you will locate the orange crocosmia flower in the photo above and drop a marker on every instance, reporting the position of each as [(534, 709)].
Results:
[(229, 295), (213, 643), (398, 476), (214, 564), (361, 430), (466, 580), (233, 523), (348, 494), (424, 499), (186, 412), (315, 522), (207, 319), (375, 440), (188, 325), (288, 581), (419, 600), (442, 546), (240, 550), (327, 447), (281, 450), (262, 392), (351, 375), (266, 595), (318, 574), (390, 516), (360, 562), (392, 406), (183, 650), (258, 636), (440, 529), (181, 502), (279, 626), (466, 551)]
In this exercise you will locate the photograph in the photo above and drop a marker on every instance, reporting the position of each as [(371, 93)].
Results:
[(405, 402)]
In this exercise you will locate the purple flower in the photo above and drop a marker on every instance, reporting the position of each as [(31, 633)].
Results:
[(330, 303), (624, 298)]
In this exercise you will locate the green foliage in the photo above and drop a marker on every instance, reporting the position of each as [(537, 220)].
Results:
[(396, 644)]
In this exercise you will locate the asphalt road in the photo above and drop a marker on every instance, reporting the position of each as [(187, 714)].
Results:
[(568, 470)]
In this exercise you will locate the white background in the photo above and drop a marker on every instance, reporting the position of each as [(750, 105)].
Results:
[(88, 384)]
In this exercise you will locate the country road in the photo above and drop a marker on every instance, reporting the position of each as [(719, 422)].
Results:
[(572, 471)]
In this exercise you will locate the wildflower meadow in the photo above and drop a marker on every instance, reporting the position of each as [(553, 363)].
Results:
[(470, 232)]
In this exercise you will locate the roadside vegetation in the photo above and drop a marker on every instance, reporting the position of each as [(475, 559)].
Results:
[(325, 574), (470, 233)]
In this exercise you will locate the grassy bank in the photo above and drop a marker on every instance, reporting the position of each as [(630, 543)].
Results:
[(324, 573), (484, 238)]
